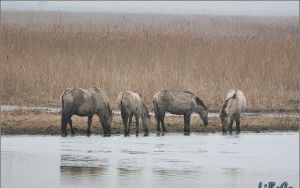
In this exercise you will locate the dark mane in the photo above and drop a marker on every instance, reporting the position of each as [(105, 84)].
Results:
[(189, 92), (197, 99), (200, 102)]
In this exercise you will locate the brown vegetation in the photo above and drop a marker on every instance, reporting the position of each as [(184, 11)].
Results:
[(44, 53)]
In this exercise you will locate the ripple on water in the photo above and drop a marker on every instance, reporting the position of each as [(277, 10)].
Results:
[(128, 167), (82, 160), (133, 152)]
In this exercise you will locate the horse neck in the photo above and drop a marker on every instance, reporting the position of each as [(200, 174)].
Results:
[(199, 110)]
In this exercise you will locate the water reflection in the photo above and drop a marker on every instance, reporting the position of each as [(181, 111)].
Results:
[(174, 160), (82, 160), (77, 172)]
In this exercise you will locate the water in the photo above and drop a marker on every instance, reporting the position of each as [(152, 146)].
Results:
[(174, 160)]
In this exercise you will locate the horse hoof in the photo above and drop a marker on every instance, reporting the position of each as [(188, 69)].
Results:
[(64, 135), (158, 134), (146, 134), (186, 133)]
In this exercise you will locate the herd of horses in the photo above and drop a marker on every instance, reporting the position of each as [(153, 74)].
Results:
[(94, 101)]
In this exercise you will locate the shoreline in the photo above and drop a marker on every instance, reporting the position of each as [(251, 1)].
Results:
[(45, 123)]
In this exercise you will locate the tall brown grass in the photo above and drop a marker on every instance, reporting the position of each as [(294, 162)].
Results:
[(44, 53)]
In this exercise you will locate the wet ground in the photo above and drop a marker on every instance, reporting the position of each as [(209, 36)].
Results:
[(174, 160), (52, 110)]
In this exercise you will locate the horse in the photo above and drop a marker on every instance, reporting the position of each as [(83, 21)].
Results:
[(180, 103), (85, 102), (234, 104), (131, 104)]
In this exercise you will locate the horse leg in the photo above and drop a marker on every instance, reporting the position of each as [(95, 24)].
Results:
[(88, 131), (64, 122), (230, 125), (163, 123), (71, 126), (137, 118), (187, 119), (129, 123), (238, 128), (145, 127), (125, 120), (157, 116)]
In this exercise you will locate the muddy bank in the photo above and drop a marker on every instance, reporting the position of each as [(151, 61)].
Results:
[(18, 122)]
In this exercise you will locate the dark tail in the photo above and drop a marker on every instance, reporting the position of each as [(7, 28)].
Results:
[(64, 120), (155, 108), (121, 103), (234, 94), (227, 102)]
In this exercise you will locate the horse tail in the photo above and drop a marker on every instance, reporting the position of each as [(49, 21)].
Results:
[(155, 108), (227, 102), (67, 102), (109, 110), (235, 93), (65, 111), (121, 104)]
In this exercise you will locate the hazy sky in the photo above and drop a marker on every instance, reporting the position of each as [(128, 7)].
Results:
[(266, 8)]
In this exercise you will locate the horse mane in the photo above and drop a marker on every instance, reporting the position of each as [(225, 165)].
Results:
[(200, 102), (188, 92), (197, 99)]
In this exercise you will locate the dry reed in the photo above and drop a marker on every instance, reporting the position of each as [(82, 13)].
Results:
[(44, 53)]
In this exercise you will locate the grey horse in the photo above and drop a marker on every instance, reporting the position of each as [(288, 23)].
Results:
[(85, 102), (131, 104), (234, 104), (180, 103)]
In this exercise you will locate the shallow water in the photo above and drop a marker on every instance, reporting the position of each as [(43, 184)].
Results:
[(173, 160)]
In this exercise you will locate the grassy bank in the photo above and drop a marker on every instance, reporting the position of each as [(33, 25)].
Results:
[(45, 123), (44, 53)]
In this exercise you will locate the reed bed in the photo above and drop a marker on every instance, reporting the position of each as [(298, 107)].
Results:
[(45, 52)]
